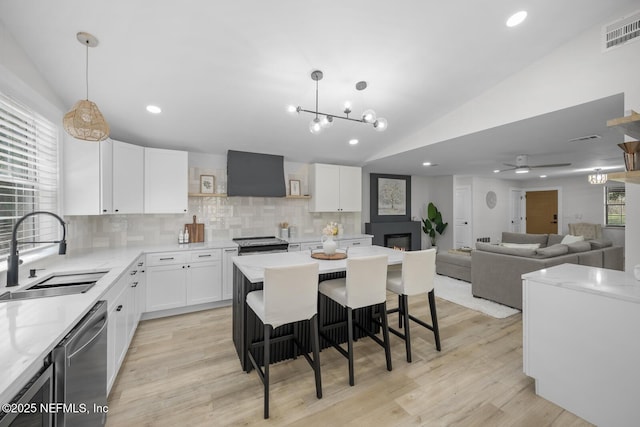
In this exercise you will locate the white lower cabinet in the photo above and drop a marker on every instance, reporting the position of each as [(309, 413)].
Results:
[(121, 326), (204, 282), (166, 287), (181, 279)]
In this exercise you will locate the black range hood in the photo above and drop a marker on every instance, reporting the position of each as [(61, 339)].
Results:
[(255, 174)]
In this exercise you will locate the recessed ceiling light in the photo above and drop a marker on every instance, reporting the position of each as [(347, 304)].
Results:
[(496, 170), (154, 109), (543, 176), (353, 141), (426, 164), (516, 18)]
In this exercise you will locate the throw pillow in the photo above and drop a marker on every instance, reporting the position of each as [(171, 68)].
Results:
[(568, 239), (579, 247), (551, 251), (521, 245), (554, 239)]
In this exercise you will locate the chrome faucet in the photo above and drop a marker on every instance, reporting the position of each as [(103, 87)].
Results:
[(14, 259)]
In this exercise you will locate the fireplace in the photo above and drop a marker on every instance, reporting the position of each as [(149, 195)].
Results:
[(405, 234), (398, 241)]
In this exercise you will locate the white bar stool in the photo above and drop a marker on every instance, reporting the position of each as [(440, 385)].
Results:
[(417, 276), (290, 294), (363, 286)]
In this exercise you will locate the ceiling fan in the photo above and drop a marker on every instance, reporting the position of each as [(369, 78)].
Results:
[(522, 165)]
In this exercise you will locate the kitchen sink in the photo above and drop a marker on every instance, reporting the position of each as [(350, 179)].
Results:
[(57, 285)]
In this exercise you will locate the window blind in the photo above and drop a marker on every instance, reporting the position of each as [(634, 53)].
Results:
[(28, 175)]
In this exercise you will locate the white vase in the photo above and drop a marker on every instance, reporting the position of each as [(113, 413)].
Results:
[(329, 245)]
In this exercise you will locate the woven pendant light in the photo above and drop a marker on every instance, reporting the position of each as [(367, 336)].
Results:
[(85, 121)]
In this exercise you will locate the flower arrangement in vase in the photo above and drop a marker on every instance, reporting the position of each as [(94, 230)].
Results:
[(329, 245)]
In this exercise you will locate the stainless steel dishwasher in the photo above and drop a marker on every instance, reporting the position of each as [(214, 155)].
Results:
[(80, 371)]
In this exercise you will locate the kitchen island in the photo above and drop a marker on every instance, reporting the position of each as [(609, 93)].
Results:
[(580, 341), (248, 276)]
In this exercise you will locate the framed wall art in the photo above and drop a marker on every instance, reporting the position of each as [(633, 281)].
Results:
[(390, 198), (207, 184)]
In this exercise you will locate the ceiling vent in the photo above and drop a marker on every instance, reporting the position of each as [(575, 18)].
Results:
[(587, 138), (622, 31)]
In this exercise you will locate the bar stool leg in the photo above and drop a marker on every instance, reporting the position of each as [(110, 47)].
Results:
[(407, 333), (400, 311), (434, 318), (350, 344), (385, 334), (267, 351), (315, 345)]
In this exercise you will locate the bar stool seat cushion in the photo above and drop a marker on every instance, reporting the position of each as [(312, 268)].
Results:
[(335, 289), (394, 282)]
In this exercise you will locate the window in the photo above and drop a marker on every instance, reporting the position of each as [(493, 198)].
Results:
[(614, 206), (28, 175)]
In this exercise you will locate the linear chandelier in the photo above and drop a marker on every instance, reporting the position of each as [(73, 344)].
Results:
[(597, 178), (325, 120)]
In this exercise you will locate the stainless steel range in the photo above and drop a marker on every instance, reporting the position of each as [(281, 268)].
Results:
[(260, 245)]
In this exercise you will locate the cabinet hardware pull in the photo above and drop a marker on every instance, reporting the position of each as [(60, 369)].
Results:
[(117, 210), (140, 264), (183, 266), (134, 272), (134, 284), (230, 250), (356, 243), (166, 259), (119, 308), (204, 256)]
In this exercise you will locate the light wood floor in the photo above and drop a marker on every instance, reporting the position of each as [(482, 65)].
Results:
[(184, 370)]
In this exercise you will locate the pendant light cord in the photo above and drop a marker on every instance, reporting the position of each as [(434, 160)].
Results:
[(316, 99), (86, 77)]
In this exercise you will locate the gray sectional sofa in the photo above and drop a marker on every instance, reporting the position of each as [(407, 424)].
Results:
[(496, 270)]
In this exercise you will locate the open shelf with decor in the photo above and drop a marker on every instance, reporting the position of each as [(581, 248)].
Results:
[(630, 124), (629, 177), (207, 194), (225, 195)]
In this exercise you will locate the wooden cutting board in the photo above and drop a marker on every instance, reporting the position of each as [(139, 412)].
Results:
[(196, 231)]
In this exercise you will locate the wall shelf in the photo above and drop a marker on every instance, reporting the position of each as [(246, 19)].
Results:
[(630, 125), (225, 195), (628, 177), (207, 195)]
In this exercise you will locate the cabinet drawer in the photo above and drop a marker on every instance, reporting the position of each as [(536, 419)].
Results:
[(206, 255), (354, 242), (167, 258), (312, 246), (294, 247)]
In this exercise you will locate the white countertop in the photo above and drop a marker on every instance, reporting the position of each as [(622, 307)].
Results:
[(31, 328), (253, 266), (312, 239), (610, 283)]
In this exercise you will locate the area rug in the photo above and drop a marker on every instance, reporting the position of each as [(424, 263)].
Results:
[(459, 292)]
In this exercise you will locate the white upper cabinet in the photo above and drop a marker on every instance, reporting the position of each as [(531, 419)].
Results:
[(166, 181), (128, 178), (87, 177), (335, 188)]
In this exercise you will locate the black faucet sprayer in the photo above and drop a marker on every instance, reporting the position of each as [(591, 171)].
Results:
[(14, 259)]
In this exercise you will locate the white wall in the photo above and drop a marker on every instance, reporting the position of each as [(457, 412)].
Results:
[(491, 222)]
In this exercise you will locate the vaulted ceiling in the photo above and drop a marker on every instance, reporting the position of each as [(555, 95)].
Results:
[(224, 72)]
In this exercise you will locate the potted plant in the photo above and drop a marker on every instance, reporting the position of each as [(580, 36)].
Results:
[(433, 224)]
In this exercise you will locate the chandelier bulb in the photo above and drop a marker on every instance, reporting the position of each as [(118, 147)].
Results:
[(326, 121), (369, 116), (315, 127), (380, 124)]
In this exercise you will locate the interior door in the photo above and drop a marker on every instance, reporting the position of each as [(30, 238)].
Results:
[(516, 217), (542, 211), (462, 217)]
